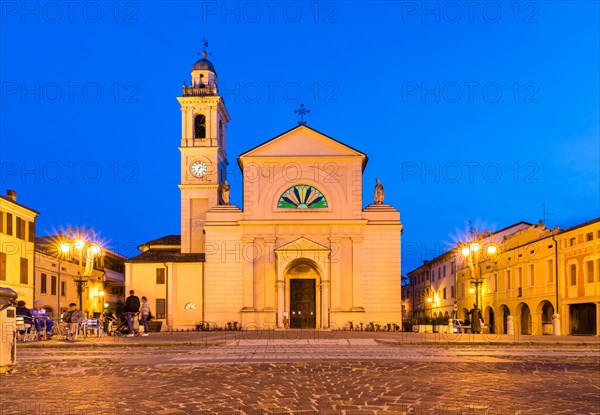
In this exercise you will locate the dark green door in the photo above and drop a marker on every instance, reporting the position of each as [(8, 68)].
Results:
[(303, 313)]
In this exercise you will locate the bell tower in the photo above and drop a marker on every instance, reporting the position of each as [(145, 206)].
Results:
[(204, 163)]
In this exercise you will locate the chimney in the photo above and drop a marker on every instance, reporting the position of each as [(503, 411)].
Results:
[(12, 195)]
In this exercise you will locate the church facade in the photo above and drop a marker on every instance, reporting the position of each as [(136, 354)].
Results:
[(302, 253)]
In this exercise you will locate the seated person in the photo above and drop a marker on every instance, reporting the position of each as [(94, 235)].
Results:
[(71, 319), (24, 312), (41, 319)]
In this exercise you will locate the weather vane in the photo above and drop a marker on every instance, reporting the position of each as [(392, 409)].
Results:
[(205, 42), (302, 111)]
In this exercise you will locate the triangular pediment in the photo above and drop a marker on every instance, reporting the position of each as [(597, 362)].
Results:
[(302, 244), (302, 141)]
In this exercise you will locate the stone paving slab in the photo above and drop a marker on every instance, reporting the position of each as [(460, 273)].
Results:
[(463, 381), (269, 374)]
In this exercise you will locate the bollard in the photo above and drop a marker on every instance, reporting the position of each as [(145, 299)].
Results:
[(510, 326), (8, 329), (556, 324)]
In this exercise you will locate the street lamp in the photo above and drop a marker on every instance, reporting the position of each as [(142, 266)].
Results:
[(83, 241), (430, 300), (472, 251)]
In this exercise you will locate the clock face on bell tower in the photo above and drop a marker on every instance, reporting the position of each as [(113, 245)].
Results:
[(199, 169), (204, 163)]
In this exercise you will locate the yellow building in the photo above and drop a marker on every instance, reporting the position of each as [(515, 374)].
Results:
[(303, 251), (517, 281), (416, 293), (17, 240), (546, 280), (56, 272), (579, 282)]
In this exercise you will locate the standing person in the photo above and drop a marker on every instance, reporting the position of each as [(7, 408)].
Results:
[(145, 309), (132, 307), (475, 319), (41, 319)]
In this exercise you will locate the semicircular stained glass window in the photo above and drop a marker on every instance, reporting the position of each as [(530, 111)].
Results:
[(302, 196)]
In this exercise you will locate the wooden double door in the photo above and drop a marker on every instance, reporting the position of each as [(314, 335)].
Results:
[(303, 304)]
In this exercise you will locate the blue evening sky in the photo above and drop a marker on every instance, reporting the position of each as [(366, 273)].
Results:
[(478, 111)]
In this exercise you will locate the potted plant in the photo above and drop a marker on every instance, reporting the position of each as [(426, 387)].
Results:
[(424, 324), (440, 325)]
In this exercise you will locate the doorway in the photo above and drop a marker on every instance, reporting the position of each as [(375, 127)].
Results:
[(303, 313), (582, 319)]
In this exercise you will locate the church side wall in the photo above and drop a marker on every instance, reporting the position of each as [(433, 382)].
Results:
[(224, 282), (182, 285), (187, 294), (381, 274)]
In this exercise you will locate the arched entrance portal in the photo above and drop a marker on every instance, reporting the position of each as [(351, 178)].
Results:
[(303, 280), (504, 312), (303, 259), (545, 310), (525, 318)]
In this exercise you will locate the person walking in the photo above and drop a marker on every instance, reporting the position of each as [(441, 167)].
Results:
[(145, 310), (132, 307), (476, 318)]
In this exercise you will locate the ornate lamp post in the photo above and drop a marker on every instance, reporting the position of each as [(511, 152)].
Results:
[(474, 252), (83, 241)]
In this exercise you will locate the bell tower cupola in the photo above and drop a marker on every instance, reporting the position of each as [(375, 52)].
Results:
[(203, 73)]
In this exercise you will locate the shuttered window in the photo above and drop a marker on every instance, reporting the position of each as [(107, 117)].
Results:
[(2, 266), (43, 283), (590, 271), (9, 224), (161, 308), (31, 228), (53, 285), (160, 275), (573, 274), (24, 271)]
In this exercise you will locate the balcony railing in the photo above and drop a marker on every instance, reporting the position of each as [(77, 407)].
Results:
[(192, 91)]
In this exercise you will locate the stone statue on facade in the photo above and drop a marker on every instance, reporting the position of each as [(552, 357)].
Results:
[(379, 194), (225, 188)]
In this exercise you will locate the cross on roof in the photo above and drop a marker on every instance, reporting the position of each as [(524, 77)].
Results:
[(302, 111)]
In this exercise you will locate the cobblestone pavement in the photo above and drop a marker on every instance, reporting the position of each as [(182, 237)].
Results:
[(358, 376)]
